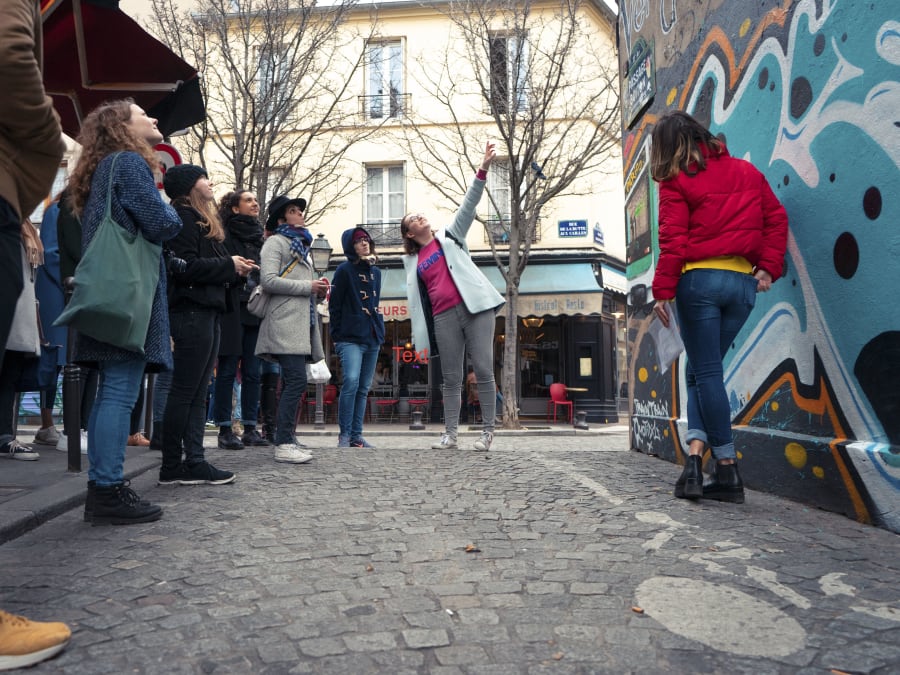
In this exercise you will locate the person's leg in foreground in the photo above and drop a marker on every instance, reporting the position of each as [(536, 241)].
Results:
[(110, 500)]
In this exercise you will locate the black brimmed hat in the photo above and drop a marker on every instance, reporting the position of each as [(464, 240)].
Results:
[(278, 206)]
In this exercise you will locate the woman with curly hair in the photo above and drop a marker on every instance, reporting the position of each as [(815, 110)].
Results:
[(239, 211), (118, 158)]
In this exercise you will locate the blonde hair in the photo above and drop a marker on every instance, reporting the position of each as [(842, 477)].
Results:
[(209, 214), (103, 132), (677, 142)]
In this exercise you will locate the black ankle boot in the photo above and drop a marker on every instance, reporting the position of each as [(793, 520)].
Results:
[(89, 501), (119, 505), (726, 485), (268, 404), (690, 483)]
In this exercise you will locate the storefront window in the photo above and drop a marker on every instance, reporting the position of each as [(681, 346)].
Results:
[(399, 364), (539, 355)]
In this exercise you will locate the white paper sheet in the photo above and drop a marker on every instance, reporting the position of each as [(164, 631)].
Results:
[(668, 340)]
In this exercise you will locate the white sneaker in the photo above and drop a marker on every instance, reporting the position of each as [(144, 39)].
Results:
[(15, 450), (290, 453), (483, 444), (447, 442), (47, 436), (63, 443)]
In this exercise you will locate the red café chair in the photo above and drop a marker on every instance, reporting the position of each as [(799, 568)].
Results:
[(557, 399)]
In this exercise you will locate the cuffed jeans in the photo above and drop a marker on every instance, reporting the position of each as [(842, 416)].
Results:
[(293, 378), (196, 337), (110, 419), (250, 373), (358, 367), (457, 331), (713, 306)]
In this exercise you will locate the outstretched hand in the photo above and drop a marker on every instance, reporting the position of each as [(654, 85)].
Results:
[(490, 151)]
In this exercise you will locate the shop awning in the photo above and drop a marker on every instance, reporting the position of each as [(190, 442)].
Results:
[(614, 280), (544, 290), (94, 52)]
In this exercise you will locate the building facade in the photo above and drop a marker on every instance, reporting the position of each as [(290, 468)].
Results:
[(417, 92)]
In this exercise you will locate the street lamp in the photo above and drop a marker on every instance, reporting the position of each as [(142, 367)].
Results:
[(320, 251)]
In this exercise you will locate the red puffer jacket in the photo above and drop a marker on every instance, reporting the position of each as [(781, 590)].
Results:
[(728, 209)]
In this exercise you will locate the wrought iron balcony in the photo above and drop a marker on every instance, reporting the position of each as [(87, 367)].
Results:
[(384, 233), (381, 106)]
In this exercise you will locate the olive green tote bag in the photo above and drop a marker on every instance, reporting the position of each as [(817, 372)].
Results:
[(115, 283)]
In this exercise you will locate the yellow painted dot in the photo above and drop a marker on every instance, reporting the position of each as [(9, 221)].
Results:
[(745, 26), (740, 455), (818, 472), (643, 375), (774, 406), (666, 433), (653, 393), (673, 92), (796, 455)]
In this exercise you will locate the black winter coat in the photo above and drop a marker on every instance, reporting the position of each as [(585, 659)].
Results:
[(209, 271)]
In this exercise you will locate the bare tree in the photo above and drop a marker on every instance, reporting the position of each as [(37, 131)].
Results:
[(549, 85), (277, 78)]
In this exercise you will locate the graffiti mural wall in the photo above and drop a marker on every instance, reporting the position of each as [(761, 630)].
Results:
[(809, 91)]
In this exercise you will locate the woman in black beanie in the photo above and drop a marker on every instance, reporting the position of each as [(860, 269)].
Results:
[(197, 297)]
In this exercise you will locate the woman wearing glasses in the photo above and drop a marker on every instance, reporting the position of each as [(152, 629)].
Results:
[(453, 305)]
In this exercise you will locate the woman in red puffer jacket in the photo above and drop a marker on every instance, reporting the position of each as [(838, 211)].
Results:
[(722, 239)]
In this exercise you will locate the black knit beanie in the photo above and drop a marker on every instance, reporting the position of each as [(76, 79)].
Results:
[(181, 178)]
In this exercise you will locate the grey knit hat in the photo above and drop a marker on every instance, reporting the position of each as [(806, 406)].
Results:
[(181, 178)]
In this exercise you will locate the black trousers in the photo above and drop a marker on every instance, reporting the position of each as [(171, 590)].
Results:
[(196, 338)]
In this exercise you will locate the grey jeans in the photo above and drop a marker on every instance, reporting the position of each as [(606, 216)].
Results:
[(457, 332)]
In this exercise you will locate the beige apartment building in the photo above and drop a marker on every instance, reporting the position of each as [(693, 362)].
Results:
[(419, 92)]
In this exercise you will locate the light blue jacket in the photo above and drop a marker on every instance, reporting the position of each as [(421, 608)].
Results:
[(477, 292)]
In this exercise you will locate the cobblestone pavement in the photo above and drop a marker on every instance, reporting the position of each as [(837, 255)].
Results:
[(549, 554)]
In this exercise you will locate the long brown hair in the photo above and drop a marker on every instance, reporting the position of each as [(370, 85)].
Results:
[(103, 132), (210, 215), (676, 146)]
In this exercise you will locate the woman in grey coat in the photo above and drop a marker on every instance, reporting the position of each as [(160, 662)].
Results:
[(289, 332)]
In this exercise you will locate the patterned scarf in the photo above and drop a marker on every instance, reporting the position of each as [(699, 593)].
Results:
[(300, 239)]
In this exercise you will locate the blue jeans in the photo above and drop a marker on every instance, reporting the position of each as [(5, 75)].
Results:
[(110, 419), (293, 378), (196, 337), (225, 374), (712, 308), (358, 367)]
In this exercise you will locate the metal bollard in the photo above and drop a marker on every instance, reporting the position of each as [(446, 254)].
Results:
[(416, 421), (72, 393), (581, 420)]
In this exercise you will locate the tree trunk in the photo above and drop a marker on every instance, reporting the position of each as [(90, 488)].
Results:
[(509, 378)]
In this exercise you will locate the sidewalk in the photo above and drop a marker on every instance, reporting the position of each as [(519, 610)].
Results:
[(31, 493)]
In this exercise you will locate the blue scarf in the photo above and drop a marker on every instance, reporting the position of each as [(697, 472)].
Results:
[(300, 239)]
